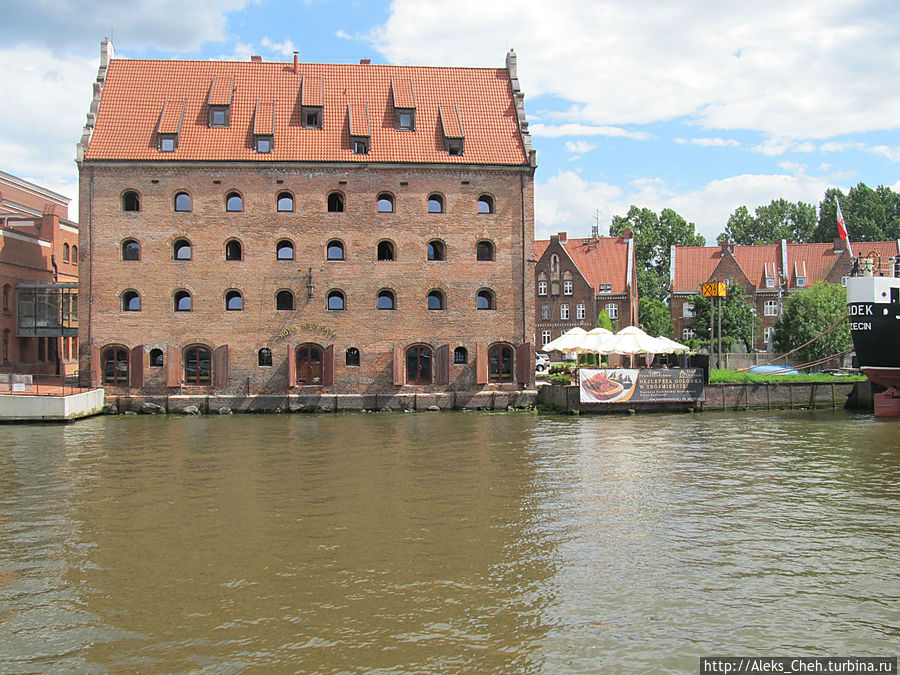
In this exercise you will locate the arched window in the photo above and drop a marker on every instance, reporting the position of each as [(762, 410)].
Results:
[(285, 201), (335, 300), (233, 250), (182, 301), (554, 263), (234, 301), (181, 249), (197, 365), (309, 363), (114, 361), (284, 250), (335, 202), (131, 250), (284, 300), (418, 364), (435, 204), (485, 300), (351, 357), (6, 295), (435, 300), (385, 250), (264, 357), (485, 204), (131, 201), (74, 255), (484, 250), (500, 363), (65, 253), (234, 202), (460, 355), (385, 203), (156, 358), (131, 301), (335, 250), (385, 299), (436, 250), (182, 202)]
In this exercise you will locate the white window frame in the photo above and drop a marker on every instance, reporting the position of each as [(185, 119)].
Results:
[(542, 288), (545, 337), (563, 312), (612, 309), (768, 334), (687, 309), (579, 311), (770, 308), (688, 334), (545, 313), (567, 287)]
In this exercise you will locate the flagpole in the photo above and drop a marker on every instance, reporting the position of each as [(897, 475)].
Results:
[(842, 226)]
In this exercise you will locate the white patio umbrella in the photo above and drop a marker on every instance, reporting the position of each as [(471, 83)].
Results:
[(669, 346), (593, 341), (630, 340), (567, 342)]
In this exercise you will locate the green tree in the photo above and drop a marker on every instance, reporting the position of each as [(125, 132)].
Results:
[(654, 236), (739, 322), (656, 319), (603, 320), (806, 314), (870, 215), (780, 219)]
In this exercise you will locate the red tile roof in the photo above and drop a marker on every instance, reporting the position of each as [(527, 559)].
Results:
[(171, 117), (135, 90), (601, 261), (402, 90), (263, 120), (752, 260), (694, 265)]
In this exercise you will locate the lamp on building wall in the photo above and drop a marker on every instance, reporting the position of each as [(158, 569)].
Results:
[(310, 286)]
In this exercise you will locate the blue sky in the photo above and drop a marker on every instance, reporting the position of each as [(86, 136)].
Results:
[(697, 106)]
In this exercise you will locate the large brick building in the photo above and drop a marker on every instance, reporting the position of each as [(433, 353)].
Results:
[(269, 227), (576, 279), (767, 272), (38, 280)]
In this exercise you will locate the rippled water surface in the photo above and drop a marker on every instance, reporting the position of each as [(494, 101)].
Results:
[(446, 542)]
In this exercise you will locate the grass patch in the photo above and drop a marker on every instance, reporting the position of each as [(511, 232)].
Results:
[(735, 376)]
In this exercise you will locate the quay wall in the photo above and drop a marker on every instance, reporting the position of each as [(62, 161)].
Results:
[(275, 403), (739, 396)]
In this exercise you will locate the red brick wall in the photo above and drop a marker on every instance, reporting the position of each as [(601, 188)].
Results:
[(104, 275)]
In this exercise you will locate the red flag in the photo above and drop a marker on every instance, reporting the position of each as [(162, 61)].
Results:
[(842, 227)]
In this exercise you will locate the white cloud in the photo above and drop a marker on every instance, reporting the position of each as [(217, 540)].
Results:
[(893, 154), (168, 25), (709, 142), (814, 69), (567, 202), (579, 147), (285, 48), (557, 130)]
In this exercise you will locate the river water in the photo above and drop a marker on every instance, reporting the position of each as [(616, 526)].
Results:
[(446, 542)]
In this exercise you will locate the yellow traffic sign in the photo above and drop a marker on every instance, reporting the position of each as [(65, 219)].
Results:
[(714, 289)]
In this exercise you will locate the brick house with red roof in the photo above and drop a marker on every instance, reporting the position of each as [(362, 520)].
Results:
[(576, 279), (38, 257), (767, 272), (257, 227)]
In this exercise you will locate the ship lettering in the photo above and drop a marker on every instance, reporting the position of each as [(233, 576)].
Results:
[(858, 310), (863, 325)]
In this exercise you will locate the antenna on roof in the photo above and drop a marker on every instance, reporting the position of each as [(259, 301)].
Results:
[(595, 228)]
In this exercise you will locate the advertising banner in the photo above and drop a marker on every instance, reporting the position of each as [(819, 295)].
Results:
[(656, 385)]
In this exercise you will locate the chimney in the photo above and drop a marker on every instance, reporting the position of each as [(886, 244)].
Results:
[(839, 245), (256, 59), (727, 246), (365, 62), (628, 233), (563, 238), (296, 63)]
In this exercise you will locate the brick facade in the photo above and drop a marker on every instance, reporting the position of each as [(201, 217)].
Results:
[(37, 244), (383, 338)]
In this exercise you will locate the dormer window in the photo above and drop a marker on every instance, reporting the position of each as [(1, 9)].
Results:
[(360, 145), (219, 101), (770, 275), (454, 146), (312, 100), (312, 117), (219, 116), (800, 273), (168, 142), (451, 124), (606, 288), (264, 144), (360, 136), (405, 119)]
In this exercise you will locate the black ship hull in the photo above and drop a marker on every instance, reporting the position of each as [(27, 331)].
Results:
[(873, 303)]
